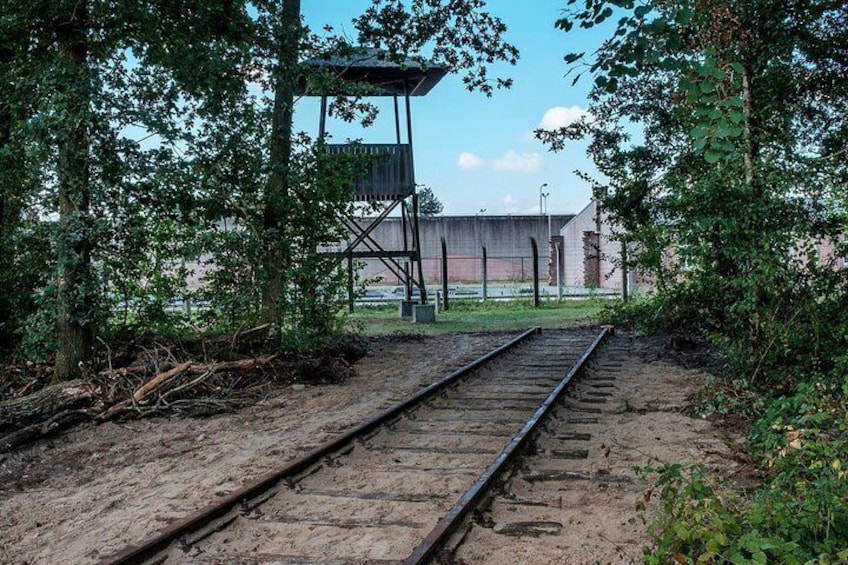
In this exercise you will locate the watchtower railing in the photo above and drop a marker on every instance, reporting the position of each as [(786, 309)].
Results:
[(390, 175)]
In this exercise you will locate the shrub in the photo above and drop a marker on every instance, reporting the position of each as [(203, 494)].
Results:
[(800, 515)]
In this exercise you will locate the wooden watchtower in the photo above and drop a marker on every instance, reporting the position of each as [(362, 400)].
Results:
[(391, 176)]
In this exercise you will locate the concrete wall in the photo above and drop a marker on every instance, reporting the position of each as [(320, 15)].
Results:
[(591, 221), (827, 252), (507, 241)]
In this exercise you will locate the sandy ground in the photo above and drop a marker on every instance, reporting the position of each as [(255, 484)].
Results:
[(91, 491), (376, 504), (576, 500)]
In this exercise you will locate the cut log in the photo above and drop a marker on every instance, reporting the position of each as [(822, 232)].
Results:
[(258, 332), (43, 404), (59, 422)]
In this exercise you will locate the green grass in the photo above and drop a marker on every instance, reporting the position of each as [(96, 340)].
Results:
[(473, 315)]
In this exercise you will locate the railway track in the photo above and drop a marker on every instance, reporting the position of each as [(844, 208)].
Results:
[(397, 487), (577, 481)]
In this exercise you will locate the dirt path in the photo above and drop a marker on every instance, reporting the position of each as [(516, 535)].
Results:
[(90, 492)]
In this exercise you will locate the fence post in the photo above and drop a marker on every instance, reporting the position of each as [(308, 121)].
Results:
[(350, 291), (558, 272), (535, 271), (624, 288), (445, 274), (485, 275)]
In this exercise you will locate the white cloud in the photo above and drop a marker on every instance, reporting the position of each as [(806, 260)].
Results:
[(510, 204), (510, 162), (560, 117), (469, 161), (518, 163)]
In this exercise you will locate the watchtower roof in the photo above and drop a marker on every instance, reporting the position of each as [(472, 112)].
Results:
[(374, 67)]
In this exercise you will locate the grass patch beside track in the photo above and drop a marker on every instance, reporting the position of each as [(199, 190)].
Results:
[(474, 315)]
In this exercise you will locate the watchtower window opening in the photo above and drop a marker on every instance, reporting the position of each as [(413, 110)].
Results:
[(390, 171)]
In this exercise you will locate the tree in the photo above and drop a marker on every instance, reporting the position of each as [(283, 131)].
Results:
[(15, 184), (428, 204), (76, 93), (138, 129), (741, 112), (463, 37)]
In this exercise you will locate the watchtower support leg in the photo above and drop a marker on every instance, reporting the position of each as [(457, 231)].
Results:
[(407, 281), (350, 300), (416, 245)]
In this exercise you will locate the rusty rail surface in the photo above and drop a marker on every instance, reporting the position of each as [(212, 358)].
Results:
[(469, 499), (222, 511)]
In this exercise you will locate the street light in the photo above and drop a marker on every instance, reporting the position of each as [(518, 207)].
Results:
[(542, 195)]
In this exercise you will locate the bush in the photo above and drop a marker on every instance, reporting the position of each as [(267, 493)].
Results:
[(800, 515), (701, 522), (685, 308)]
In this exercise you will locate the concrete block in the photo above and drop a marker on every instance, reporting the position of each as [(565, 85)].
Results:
[(406, 308), (424, 314)]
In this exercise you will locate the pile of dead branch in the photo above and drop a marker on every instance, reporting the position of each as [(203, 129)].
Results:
[(164, 379)]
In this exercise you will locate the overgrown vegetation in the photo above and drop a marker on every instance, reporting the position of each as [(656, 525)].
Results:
[(141, 139), (720, 128), (799, 514)]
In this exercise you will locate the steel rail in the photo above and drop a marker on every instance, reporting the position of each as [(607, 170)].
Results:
[(469, 499), (158, 542)]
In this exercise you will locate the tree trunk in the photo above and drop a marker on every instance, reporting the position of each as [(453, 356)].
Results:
[(276, 255), (9, 217), (76, 288), (44, 404)]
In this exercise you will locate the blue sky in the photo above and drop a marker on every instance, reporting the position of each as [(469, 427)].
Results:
[(477, 153)]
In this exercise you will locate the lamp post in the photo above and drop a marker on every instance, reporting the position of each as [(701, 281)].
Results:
[(542, 195)]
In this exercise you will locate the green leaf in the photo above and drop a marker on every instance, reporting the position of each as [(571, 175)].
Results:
[(700, 131), (564, 24), (683, 16), (572, 57), (711, 156), (606, 13)]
